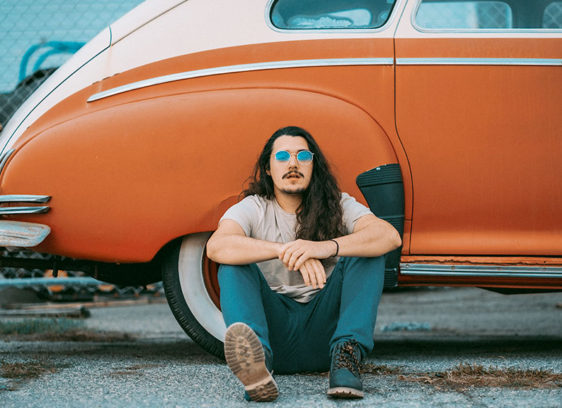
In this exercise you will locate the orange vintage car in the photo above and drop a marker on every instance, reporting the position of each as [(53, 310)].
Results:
[(443, 116)]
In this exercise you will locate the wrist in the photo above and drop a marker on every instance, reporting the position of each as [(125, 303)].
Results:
[(277, 248), (337, 247)]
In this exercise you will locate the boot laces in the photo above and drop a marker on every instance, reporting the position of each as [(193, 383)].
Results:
[(347, 356)]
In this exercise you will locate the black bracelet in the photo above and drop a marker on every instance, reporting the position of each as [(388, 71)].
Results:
[(337, 246)]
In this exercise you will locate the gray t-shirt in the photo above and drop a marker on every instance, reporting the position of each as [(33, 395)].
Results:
[(264, 219)]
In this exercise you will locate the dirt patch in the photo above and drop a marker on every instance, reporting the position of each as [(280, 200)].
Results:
[(132, 370), (78, 336), (19, 373), (366, 368), (466, 376), (26, 370), (369, 368), (56, 330)]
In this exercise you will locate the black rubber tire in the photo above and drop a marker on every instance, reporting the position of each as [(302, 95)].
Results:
[(173, 273)]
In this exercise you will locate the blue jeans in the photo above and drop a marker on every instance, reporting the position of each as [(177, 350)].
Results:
[(301, 335)]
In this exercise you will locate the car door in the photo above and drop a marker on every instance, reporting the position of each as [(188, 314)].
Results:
[(478, 97)]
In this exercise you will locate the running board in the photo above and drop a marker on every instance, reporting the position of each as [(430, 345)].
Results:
[(509, 271)]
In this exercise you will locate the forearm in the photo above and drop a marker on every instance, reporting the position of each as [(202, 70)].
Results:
[(375, 239), (240, 250)]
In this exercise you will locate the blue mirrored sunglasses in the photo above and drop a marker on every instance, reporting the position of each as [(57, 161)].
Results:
[(303, 157)]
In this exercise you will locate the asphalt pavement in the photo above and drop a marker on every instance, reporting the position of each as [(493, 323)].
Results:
[(444, 347)]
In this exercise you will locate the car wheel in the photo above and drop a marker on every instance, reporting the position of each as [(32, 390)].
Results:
[(191, 287)]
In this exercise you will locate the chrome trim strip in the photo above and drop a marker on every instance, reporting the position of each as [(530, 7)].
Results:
[(22, 234), (24, 198), (479, 61), (23, 210), (4, 158), (482, 270), (230, 69)]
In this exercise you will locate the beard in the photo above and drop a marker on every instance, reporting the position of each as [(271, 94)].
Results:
[(295, 191)]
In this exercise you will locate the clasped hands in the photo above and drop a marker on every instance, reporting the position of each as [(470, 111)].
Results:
[(304, 256)]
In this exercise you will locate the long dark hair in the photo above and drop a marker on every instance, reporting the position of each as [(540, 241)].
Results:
[(319, 216)]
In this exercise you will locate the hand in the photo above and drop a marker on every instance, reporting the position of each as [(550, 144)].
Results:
[(295, 253), (313, 273)]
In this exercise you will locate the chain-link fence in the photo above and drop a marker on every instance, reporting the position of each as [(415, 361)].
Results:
[(553, 15), (37, 36)]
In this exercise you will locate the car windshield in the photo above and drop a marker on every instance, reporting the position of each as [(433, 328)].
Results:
[(330, 14)]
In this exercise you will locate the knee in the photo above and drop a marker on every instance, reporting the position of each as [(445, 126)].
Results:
[(229, 274), (375, 264)]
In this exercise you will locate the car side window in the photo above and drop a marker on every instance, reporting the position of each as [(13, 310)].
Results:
[(488, 14), (330, 14), (552, 17), (464, 14)]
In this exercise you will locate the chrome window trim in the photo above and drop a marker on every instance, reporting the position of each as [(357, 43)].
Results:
[(480, 61), (384, 27), (23, 210), (481, 270), (237, 69), (4, 158), (475, 30), (24, 198)]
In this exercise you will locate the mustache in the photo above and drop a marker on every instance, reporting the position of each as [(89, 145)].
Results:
[(292, 173)]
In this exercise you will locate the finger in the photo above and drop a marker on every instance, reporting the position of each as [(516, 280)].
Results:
[(302, 260), (320, 273), (286, 256), (312, 275), (304, 255), (314, 268), (286, 248), (305, 275), (295, 256), (322, 270), (294, 261)]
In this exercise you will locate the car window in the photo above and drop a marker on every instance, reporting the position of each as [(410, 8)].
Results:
[(552, 17), (330, 14), (464, 14), (489, 14)]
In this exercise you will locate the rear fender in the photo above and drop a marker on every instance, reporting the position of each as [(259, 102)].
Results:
[(126, 180)]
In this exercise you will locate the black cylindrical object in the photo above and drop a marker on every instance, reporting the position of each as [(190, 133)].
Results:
[(383, 189)]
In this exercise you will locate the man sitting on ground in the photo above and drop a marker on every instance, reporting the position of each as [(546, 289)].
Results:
[(301, 272)]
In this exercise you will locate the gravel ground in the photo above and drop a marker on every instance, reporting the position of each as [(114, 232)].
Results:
[(419, 333)]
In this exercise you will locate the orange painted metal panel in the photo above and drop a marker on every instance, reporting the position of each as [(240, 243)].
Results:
[(484, 146), (127, 179), (133, 171)]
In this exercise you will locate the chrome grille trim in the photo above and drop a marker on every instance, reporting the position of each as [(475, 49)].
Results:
[(23, 210), (24, 198), (510, 271)]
